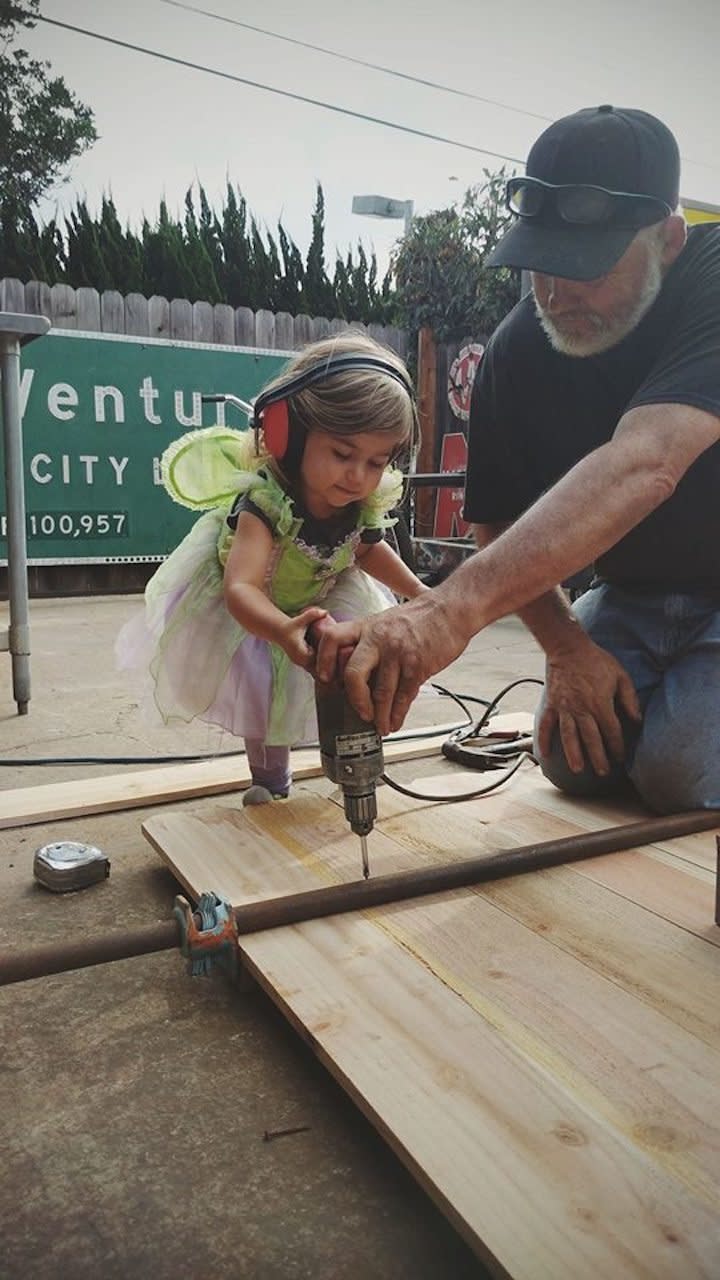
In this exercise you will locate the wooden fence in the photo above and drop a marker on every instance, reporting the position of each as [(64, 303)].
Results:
[(109, 312)]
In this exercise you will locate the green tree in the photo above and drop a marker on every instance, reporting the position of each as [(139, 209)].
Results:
[(226, 258), (200, 251), (318, 297), (122, 251), (234, 273), (290, 295), (166, 269), (43, 125), (29, 252), (439, 267)]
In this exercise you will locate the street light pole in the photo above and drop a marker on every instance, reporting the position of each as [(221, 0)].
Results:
[(384, 207), (15, 330)]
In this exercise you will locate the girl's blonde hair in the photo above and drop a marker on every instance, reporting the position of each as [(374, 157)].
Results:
[(353, 400)]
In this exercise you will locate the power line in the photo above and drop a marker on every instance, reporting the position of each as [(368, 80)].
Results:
[(390, 71), (283, 93), (359, 62)]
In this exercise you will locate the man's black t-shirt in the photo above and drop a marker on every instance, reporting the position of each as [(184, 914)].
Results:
[(535, 413)]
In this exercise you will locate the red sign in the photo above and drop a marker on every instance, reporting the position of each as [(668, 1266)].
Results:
[(448, 520), (461, 378)]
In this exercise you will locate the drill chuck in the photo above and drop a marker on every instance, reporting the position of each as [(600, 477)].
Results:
[(351, 754), (355, 762), (360, 810)]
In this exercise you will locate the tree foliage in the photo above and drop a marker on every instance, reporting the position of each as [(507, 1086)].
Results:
[(209, 256), (43, 125), (437, 277), (439, 267)]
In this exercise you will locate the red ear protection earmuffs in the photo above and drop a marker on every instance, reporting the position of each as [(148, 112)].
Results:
[(271, 409)]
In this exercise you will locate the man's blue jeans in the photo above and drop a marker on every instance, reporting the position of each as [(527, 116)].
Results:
[(670, 647)]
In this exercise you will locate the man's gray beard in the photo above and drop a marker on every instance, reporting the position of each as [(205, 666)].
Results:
[(608, 333)]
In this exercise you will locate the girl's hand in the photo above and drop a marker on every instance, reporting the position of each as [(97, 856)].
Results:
[(291, 636)]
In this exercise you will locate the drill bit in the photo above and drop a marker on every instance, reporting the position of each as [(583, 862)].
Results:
[(364, 852)]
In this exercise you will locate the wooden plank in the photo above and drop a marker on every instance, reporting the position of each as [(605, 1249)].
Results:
[(89, 319), (544, 1019), (556, 1162), (678, 971), (203, 322), (265, 328), (137, 315), (62, 307), (159, 317), (302, 331), (223, 324), (426, 397), (244, 327), (588, 814), (398, 340), (284, 331), (112, 310), (181, 319), (12, 295), (38, 298), (661, 880), (321, 327), (51, 801)]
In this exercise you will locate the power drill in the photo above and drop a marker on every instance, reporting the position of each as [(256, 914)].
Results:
[(350, 752)]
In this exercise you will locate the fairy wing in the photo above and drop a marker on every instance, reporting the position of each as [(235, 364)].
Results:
[(208, 467)]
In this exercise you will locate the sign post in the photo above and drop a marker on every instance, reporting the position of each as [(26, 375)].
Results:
[(14, 330)]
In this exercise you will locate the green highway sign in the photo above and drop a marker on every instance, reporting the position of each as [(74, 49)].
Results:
[(98, 411)]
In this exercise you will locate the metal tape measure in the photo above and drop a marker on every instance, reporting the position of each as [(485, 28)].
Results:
[(68, 865)]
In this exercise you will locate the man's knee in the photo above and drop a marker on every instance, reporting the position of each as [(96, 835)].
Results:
[(671, 781), (586, 783)]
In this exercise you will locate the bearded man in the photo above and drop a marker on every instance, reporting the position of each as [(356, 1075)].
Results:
[(594, 436)]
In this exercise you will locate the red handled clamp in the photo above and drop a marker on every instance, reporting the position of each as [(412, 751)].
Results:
[(214, 940)]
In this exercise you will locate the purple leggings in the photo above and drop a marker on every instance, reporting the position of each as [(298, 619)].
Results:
[(269, 766)]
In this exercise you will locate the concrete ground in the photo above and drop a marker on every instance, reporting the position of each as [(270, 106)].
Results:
[(134, 1100)]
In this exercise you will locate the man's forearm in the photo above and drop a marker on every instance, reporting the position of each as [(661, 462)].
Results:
[(588, 511), (549, 618)]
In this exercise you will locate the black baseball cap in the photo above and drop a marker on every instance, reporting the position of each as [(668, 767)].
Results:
[(617, 148)]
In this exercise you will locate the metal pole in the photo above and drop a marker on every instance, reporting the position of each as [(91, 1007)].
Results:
[(359, 895), (717, 882), (19, 630), (15, 330), (408, 215)]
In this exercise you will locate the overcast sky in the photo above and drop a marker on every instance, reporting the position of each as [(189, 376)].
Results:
[(163, 127)]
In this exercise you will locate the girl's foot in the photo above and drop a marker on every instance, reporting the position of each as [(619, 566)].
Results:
[(260, 795)]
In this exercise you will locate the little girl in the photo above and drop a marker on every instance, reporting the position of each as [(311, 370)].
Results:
[(293, 536)]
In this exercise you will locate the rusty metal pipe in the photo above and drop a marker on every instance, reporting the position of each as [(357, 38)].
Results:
[(717, 882), (358, 895)]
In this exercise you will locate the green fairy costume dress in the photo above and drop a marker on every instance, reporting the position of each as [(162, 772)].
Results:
[(202, 663)]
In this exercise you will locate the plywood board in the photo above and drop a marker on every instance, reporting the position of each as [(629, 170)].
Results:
[(542, 1052)]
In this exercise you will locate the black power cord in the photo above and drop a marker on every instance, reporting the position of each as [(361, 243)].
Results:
[(477, 759), (452, 750), (465, 795), (415, 736)]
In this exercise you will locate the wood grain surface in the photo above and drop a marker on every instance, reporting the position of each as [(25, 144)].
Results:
[(543, 1053)]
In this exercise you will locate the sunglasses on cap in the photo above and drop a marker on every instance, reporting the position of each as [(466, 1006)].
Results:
[(582, 205)]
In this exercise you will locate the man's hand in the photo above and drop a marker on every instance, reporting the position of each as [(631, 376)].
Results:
[(395, 651), (584, 689)]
